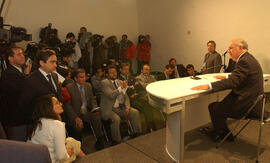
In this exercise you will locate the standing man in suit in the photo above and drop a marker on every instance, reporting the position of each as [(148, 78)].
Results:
[(115, 105), (212, 60), (80, 108), (11, 88), (41, 82), (179, 70), (246, 82)]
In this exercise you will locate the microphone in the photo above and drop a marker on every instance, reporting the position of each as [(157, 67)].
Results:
[(225, 53), (199, 73)]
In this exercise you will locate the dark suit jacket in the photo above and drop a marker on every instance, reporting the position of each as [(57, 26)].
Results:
[(230, 66), (37, 85), (163, 77), (213, 63), (11, 87), (246, 82), (73, 106), (181, 71)]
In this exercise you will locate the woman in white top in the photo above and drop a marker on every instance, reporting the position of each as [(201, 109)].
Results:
[(47, 128)]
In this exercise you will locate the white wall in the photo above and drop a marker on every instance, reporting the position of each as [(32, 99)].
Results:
[(169, 23), (107, 17)]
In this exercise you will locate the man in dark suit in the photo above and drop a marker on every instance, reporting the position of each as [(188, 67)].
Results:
[(80, 108), (11, 88), (41, 82), (246, 82), (179, 70), (167, 74)]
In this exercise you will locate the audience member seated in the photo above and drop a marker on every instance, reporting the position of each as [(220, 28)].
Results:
[(115, 105), (47, 128), (96, 83), (80, 109), (167, 74), (191, 71), (11, 88), (157, 121), (178, 69)]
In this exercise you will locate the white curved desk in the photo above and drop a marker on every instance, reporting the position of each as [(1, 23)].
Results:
[(186, 109)]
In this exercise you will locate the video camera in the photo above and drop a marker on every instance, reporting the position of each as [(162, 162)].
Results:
[(14, 34)]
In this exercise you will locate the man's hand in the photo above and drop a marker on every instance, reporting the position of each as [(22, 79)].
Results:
[(220, 77), (124, 84), (27, 69), (78, 122), (201, 87)]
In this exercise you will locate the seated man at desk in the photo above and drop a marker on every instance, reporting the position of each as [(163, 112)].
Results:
[(246, 82)]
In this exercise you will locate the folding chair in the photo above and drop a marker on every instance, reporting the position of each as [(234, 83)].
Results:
[(261, 120)]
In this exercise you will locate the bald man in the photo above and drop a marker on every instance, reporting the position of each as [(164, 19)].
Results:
[(246, 82)]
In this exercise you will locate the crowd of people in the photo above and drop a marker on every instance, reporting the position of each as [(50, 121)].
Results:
[(38, 107)]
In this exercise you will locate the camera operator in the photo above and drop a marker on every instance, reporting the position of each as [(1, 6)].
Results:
[(85, 41), (11, 87), (49, 36), (73, 45), (99, 57), (113, 48)]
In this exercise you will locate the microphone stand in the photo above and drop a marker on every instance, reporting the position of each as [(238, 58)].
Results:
[(224, 59), (199, 73)]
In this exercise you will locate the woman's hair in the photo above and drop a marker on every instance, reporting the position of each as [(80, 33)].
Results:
[(43, 109)]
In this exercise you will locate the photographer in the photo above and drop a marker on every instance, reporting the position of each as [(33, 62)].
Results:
[(73, 45), (99, 57), (85, 41), (11, 88), (113, 48), (49, 36), (127, 50)]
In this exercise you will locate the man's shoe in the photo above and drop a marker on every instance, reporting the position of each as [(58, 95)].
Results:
[(113, 143)]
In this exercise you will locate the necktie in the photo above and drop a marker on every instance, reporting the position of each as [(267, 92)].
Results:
[(114, 83), (81, 92), (50, 81), (83, 106)]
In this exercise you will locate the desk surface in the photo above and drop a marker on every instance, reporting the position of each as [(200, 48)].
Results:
[(180, 87)]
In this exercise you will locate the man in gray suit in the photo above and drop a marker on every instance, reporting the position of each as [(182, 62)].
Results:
[(246, 82), (115, 105), (80, 109), (212, 59)]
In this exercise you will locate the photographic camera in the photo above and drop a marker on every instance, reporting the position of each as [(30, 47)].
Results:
[(67, 48), (97, 40)]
